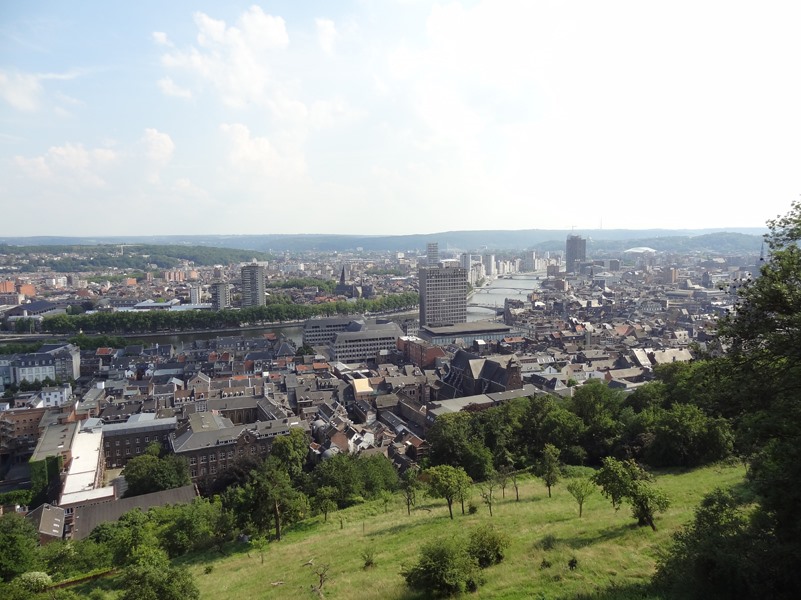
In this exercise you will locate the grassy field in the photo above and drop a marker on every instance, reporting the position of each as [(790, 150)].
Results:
[(615, 557)]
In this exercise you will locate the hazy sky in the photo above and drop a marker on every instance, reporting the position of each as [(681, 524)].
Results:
[(396, 116)]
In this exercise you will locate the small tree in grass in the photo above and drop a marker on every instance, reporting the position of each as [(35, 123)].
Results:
[(627, 481), (515, 477), (443, 569), (448, 483), (487, 545), (548, 466), (409, 484), (580, 489), (324, 500), (487, 492), (502, 478)]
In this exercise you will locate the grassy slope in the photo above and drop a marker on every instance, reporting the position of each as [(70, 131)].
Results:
[(613, 554)]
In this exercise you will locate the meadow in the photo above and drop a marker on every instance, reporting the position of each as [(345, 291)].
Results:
[(614, 558)]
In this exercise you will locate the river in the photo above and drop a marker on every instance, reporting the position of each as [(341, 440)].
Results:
[(517, 287)]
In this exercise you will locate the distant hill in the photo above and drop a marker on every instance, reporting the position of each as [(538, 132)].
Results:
[(733, 241)]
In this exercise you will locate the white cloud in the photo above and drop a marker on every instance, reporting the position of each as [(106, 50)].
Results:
[(280, 158), (236, 59), (159, 146), (170, 88), (71, 164), (21, 90), (161, 38), (326, 34)]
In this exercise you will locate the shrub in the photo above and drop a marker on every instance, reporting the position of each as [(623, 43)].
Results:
[(35, 581), (368, 556), (443, 569), (472, 507), (545, 564), (487, 545)]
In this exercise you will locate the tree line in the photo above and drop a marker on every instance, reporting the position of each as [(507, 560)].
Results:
[(127, 322)]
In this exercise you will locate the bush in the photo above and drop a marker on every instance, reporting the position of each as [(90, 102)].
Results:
[(368, 556), (487, 545), (35, 581), (472, 507), (443, 569)]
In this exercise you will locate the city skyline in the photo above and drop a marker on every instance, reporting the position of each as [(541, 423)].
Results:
[(250, 118)]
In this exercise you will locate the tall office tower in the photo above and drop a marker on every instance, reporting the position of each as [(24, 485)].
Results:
[(432, 253), (253, 287), (467, 260), (194, 294), (575, 252), (489, 265), (220, 295), (443, 295)]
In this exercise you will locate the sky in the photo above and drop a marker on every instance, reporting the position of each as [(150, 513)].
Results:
[(396, 116)]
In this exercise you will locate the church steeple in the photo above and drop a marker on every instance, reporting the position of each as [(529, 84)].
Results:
[(342, 276)]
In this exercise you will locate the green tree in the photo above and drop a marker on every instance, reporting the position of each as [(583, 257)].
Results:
[(627, 481), (292, 450), (409, 485), (448, 483), (147, 473), (324, 500), (444, 568), (580, 489), (18, 541), (718, 555), (548, 467), (151, 577), (487, 545)]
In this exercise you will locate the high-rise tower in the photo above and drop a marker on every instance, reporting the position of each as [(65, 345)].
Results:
[(575, 252), (253, 285), (443, 294), (432, 253)]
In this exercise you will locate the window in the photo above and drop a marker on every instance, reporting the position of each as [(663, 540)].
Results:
[(118, 452), (193, 472), (202, 459), (137, 440), (213, 458), (127, 452), (117, 443), (192, 460), (230, 454), (147, 439), (138, 451), (127, 442), (212, 469)]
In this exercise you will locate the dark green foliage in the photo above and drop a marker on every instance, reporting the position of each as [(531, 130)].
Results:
[(455, 441), (18, 541), (444, 568), (548, 467), (355, 477), (487, 545), (713, 557), (762, 380), (159, 320), (148, 473), (684, 436), (151, 577), (449, 483), (626, 481)]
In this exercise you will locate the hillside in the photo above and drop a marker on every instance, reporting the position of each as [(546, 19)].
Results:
[(735, 241), (615, 557)]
